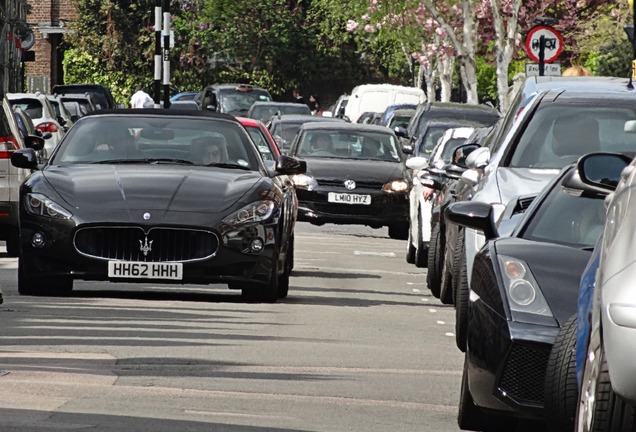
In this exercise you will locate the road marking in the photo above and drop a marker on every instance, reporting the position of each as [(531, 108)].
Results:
[(441, 322), (449, 334), (381, 254), (415, 290), (424, 299), (432, 310)]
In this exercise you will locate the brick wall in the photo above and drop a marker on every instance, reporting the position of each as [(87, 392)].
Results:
[(49, 13)]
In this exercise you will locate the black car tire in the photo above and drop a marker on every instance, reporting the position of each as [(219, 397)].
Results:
[(446, 290), (28, 284), (290, 255), (611, 412), (433, 274), (461, 307), (410, 250), (458, 253), (399, 232), (561, 390), (268, 292), (421, 251)]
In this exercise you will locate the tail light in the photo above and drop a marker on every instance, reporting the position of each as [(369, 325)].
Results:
[(8, 145), (47, 127)]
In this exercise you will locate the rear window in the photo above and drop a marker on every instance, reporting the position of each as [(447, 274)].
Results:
[(32, 107)]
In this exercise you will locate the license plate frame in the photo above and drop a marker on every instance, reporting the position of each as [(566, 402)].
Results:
[(347, 198), (145, 270)]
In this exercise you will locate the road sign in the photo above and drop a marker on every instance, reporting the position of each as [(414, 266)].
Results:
[(549, 69), (553, 43)]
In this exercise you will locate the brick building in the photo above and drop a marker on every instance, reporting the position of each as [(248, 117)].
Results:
[(49, 21)]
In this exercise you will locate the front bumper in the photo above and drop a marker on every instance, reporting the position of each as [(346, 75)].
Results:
[(232, 261), (385, 209), (507, 362)]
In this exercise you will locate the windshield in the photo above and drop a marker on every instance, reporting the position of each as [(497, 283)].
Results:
[(235, 101), (348, 145), (266, 111), (557, 135), (146, 139), (286, 131)]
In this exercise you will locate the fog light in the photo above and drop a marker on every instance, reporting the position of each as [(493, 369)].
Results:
[(256, 245), (38, 240)]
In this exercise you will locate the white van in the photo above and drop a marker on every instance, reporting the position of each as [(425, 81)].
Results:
[(377, 97)]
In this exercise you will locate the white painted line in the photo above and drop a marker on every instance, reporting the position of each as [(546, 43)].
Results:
[(449, 334), (432, 310), (424, 299), (380, 254), (415, 290), (441, 322)]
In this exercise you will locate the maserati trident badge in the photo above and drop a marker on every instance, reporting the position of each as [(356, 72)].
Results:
[(145, 246), (350, 184), (146, 216)]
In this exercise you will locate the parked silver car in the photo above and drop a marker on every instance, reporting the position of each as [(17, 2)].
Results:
[(607, 397)]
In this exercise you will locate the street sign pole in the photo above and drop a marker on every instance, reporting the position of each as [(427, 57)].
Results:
[(541, 55)]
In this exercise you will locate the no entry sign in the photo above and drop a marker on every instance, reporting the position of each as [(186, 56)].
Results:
[(553, 43)]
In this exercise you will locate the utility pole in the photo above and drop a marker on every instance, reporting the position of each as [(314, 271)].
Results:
[(157, 78), (166, 53)]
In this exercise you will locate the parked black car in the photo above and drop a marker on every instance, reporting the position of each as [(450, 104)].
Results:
[(101, 95), (355, 175), (451, 112), (524, 287), (138, 196)]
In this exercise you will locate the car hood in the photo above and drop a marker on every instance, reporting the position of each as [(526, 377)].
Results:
[(358, 170), (556, 268), (150, 187), (522, 181)]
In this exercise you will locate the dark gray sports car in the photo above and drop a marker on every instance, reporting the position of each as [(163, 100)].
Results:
[(156, 195)]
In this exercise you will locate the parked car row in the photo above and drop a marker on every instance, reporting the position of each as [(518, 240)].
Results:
[(516, 213)]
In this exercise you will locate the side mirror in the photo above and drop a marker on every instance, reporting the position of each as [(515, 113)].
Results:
[(428, 181), (407, 149), (473, 214), (290, 165), (401, 132), (35, 142), (471, 177), (417, 163), (479, 158), (461, 153), (602, 170), (25, 158), (61, 120)]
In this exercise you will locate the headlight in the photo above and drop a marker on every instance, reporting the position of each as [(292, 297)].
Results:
[(252, 213), (396, 186), (524, 294), (303, 181), (40, 205)]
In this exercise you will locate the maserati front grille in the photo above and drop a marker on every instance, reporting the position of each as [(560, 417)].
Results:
[(159, 244)]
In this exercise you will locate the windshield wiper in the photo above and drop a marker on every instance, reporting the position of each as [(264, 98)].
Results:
[(228, 165), (120, 161), (170, 161)]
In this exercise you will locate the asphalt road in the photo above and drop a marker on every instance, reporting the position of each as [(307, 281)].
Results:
[(359, 345)]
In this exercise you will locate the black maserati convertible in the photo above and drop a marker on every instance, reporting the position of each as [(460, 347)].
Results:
[(524, 287), (355, 176), (156, 195)]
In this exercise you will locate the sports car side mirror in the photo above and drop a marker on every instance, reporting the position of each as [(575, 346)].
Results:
[(602, 170), (25, 158), (35, 142), (290, 165), (473, 214)]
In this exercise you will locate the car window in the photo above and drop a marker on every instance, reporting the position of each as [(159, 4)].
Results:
[(348, 145), (261, 142), (567, 218), (32, 107), (233, 100), (130, 138), (431, 137), (556, 136)]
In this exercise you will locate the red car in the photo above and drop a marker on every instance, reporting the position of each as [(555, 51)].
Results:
[(261, 137)]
